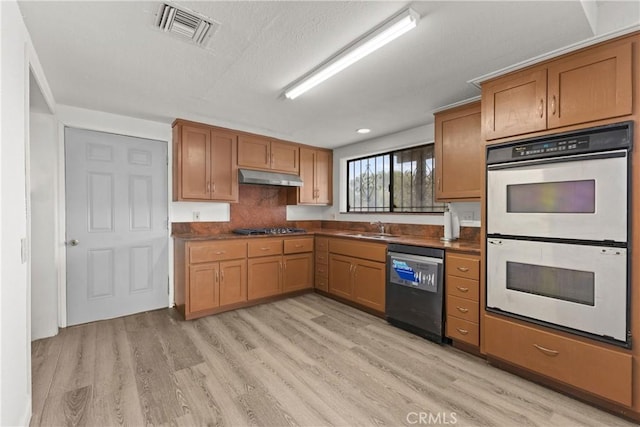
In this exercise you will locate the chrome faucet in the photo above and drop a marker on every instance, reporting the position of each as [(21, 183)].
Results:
[(380, 226)]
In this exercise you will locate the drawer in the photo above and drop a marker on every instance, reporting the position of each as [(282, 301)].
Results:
[(463, 330), (296, 246), (464, 288), (322, 283), (322, 244), (216, 251), (322, 270), (467, 266), (356, 249), (322, 257), (265, 247), (597, 369), (463, 308)]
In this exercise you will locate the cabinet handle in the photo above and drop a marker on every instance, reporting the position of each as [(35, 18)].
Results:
[(463, 269), (462, 331), (217, 276), (553, 105), (221, 275), (462, 309), (541, 108), (208, 187), (298, 246), (265, 249), (546, 351), (213, 189), (439, 186), (461, 289), (271, 159), (220, 252)]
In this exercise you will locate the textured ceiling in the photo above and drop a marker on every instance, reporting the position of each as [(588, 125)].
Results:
[(107, 56)]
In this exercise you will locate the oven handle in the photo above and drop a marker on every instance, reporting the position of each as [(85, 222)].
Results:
[(563, 159)]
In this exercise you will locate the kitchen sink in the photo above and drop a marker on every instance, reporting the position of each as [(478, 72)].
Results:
[(372, 235)]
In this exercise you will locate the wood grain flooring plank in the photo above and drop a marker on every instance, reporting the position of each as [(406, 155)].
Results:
[(45, 354), (76, 361), (155, 380), (113, 369), (178, 349)]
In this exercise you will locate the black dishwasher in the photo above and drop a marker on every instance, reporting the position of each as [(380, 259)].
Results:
[(415, 290)]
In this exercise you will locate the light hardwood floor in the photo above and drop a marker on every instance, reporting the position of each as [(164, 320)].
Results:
[(307, 361)]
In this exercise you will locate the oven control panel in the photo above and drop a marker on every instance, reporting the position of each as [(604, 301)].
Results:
[(572, 144)]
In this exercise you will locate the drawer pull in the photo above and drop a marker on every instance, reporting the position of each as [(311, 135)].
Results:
[(265, 249), (463, 269), (547, 351), (462, 331), (220, 252), (462, 309), (461, 289), (298, 246)]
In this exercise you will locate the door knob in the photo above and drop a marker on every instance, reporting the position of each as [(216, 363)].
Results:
[(74, 242)]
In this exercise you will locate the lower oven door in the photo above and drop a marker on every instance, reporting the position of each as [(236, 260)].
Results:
[(580, 287)]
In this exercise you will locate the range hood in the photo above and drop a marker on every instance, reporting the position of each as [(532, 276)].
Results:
[(248, 176)]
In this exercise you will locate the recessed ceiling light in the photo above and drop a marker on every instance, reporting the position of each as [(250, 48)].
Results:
[(363, 130)]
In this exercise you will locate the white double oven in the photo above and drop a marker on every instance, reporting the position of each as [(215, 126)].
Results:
[(558, 227)]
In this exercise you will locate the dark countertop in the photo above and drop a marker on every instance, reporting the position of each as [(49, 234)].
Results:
[(458, 245)]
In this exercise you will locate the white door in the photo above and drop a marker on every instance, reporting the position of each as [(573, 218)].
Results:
[(116, 220)]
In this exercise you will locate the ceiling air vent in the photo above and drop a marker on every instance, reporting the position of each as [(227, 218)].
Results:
[(185, 24)]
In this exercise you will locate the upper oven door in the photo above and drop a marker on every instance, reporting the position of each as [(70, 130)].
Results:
[(581, 197)]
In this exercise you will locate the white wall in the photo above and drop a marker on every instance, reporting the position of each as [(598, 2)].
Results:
[(408, 138), (44, 204), (15, 349)]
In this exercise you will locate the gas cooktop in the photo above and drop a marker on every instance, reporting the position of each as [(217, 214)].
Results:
[(268, 230)]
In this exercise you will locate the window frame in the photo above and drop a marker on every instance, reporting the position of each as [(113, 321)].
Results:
[(437, 207)]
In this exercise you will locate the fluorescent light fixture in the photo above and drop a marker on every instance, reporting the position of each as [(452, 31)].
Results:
[(363, 130), (389, 30)]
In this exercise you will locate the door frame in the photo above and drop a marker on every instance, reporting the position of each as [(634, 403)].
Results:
[(118, 125)]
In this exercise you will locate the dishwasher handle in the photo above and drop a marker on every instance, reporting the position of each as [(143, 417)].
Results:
[(415, 258)]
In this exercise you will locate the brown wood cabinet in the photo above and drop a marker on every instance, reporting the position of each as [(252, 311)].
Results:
[(279, 266), (357, 272), (322, 263), (205, 164), (458, 150), (316, 171), (589, 85), (209, 275), (605, 372), (258, 152), (462, 297)]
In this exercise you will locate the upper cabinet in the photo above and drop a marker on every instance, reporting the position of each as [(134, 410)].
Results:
[(205, 164), (589, 85), (458, 145), (258, 152), (316, 166)]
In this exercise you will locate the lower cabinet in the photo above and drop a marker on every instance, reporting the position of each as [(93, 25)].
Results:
[(215, 276), (462, 297), (290, 270), (209, 276), (357, 272), (595, 368)]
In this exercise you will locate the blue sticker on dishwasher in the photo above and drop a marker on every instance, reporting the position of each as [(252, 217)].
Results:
[(404, 271)]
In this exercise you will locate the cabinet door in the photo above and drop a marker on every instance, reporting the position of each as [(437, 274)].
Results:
[(297, 272), (224, 169), (194, 168), (324, 173), (233, 281), (254, 152), (592, 85), (341, 275), (369, 284), (458, 153), (515, 105), (204, 293), (307, 193), (284, 157), (265, 276)]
